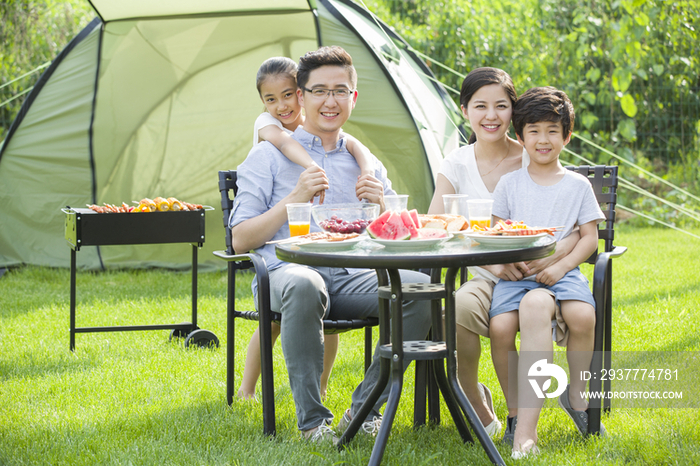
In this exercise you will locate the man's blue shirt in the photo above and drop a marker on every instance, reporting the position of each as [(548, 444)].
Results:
[(267, 176)]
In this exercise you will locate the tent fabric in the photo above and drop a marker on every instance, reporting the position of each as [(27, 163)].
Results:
[(156, 97)]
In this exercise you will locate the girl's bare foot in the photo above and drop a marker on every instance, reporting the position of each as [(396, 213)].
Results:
[(243, 395)]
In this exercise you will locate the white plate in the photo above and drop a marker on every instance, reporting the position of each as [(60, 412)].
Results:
[(410, 244), (505, 241), (325, 245)]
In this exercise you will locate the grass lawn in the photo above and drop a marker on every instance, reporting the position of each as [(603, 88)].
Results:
[(134, 398)]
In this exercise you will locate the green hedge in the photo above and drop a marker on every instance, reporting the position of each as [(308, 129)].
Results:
[(631, 67)]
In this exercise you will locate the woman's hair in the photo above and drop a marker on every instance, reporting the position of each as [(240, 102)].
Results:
[(276, 66), (541, 104), (480, 77), (325, 56)]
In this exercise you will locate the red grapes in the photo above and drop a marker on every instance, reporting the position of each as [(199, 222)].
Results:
[(338, 225)]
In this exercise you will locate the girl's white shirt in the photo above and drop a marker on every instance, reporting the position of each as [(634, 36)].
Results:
[(461, 170), (263, 120)]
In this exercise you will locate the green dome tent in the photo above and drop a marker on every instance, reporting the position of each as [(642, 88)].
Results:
[(153, 98)]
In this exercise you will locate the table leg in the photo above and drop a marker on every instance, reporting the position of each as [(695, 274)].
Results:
[(461, 398), (396, 368), (443, 385), (384, 369)]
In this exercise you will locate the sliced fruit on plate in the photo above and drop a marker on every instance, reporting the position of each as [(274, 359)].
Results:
[(408, 222), (375, 228), (389, 225), (392, 225)]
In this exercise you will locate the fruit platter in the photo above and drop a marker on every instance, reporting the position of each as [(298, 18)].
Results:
[(406, 229)]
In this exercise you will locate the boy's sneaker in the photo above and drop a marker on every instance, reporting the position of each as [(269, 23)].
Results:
[(368, 427), (322, 434), (509, 433), (580, 418)]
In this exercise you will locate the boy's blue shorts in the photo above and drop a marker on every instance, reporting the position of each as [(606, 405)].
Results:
[(508, 294)]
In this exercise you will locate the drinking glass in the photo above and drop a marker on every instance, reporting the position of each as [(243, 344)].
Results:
[(397, 202), (299, 217), (455, 204), (480, 212)]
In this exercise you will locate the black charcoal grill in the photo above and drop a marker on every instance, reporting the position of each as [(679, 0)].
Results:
[(85, 227)]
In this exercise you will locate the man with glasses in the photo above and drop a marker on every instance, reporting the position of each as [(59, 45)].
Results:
[(267, 181)]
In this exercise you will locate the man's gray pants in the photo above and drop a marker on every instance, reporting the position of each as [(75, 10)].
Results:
[(305, 296)]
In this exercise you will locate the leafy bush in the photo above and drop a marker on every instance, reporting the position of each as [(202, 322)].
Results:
[(33, 33), (631, 67)]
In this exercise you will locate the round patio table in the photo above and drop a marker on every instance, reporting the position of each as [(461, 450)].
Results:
[(453, 255)]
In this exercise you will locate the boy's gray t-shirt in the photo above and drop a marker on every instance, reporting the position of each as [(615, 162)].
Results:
[(566, 204)]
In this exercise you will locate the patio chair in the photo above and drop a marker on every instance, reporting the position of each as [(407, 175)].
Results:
[(251, 260), (604, 181)]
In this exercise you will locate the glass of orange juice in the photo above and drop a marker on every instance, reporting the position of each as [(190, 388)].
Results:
[(480, 212), (299, 217)]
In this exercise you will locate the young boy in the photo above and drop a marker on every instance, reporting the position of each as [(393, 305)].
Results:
[(545, 194)]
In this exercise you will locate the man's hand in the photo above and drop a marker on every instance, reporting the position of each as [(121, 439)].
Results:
[(551, 275), (370, 188), (311, 181), (510, 272)]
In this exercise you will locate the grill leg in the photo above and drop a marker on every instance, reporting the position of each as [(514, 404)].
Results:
[(194, 287), (72, 300)]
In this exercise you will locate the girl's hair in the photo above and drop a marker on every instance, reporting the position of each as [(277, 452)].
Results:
[(276, 66), (480, 77)]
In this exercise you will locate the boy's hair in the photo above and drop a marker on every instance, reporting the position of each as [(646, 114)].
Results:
[(543, 104), (325, 56), (275, 66), (480, 77)]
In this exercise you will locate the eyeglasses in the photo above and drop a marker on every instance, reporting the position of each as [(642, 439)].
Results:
[(321, 93)]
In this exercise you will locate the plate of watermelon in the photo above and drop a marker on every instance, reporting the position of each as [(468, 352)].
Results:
[(401, 230)]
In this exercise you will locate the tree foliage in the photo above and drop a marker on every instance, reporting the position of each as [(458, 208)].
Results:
[(631, 67), (33, 32)]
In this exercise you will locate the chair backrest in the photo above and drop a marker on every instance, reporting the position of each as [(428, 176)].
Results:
[(228, 189), (603, 178)]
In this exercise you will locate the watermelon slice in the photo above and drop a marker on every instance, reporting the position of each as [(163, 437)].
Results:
[(389, 225), (394, 228), (408, 223), (375, 228), (414, 215)]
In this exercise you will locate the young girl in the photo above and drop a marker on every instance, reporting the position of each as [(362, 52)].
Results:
[(277, 85)]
